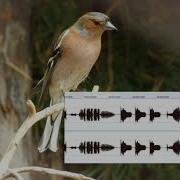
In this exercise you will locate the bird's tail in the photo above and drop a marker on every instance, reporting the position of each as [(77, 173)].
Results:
[(49, 138)]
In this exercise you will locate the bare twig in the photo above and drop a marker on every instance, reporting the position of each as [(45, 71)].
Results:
[(28, 123), (13, 173), (18, 70), (31, 109), (8, 61), (113, 6), (65, 174), (95, 89)]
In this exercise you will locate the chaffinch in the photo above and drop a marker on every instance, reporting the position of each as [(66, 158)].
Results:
[(74, 55)]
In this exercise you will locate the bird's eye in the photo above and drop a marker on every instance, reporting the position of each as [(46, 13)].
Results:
[(96, 23)]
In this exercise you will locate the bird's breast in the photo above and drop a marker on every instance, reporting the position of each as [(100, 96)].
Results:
[(78, 57), (82, 50)]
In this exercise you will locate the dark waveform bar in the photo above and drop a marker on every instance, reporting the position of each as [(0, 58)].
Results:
[(139, 147), (91, 147), (139, 114), (124, 147), (124, 114), (153, 147), (153, 114), (92, 114), (175, 114), (175, 147)]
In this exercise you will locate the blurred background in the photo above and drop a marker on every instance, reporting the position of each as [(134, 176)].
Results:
[(144, 55)]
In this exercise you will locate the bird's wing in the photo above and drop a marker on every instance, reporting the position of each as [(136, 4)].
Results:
[(55, 55)]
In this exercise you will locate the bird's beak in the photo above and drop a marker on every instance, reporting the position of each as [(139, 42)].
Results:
[(110, 26)]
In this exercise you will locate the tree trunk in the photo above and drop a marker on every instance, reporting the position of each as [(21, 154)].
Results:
[(14, 75)]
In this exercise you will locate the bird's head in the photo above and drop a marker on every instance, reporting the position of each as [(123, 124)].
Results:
[(95, 23)]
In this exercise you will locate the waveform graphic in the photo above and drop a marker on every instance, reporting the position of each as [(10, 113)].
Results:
[(124, 114), (95, 147), (153, 147), (91, 147), (139, 114), (95, 114), (175, 147), (139, 147), (124, 147), (175, 114), (92, 114), (153, 114)]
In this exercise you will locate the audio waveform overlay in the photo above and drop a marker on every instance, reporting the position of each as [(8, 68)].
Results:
[(175, 147), (95, 147), (122, 127), (90, 147), (95, 114), (175, 114), (91, 114)]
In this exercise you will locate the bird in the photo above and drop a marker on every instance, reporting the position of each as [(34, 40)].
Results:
[(75, 52)]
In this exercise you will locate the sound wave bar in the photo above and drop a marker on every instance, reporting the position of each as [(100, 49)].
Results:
[(94, 147), (95, 114)]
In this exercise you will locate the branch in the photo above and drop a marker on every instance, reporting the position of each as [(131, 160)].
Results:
[(65, 174), (95, 88), (113, 7), (28, 123), (12, 173), (18, 70)]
